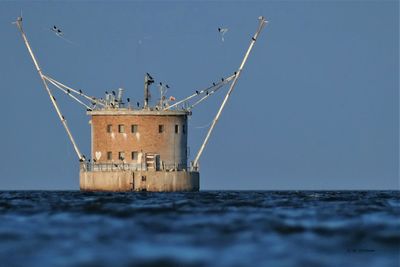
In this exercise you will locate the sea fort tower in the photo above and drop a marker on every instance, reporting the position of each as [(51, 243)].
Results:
[(138, 146), (142, 149)]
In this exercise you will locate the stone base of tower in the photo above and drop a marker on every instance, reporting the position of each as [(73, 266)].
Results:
[(128, 180)]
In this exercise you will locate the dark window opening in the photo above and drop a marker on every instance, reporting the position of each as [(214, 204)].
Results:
[(121, 155), (143, 178), (176, 128), (134, 155), (160, 128), (134, 128), (121, 128), (109, 155), (109, 128)]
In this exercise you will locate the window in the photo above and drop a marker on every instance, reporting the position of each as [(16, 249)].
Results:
[(109, 128), (176, 128), (121, 128), (134, 155), (184, 129), (109, 155), (121, 155), (143, 178), (160, 128), (134, 128)]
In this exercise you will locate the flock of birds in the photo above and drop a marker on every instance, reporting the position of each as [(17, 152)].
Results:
[(60, 33), (57, 31)]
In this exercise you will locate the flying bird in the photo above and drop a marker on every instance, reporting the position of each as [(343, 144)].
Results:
[(57, 31), (60, 34), (222, 31)]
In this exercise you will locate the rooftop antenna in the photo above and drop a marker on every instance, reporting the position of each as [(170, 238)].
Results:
[(119, 96), (148, 80), (18, 22), (261, 25), (163, 90)]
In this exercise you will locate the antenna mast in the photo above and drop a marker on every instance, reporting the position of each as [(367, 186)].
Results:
[(253, 40), (147, 81), (52, 98)]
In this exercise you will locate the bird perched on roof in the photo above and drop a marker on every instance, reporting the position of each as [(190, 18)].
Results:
[(222, 31)]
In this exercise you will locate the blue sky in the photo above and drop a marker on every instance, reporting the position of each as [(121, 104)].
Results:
[(317, 106)]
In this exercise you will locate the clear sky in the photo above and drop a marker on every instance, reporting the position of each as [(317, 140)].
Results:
[(317, 106)]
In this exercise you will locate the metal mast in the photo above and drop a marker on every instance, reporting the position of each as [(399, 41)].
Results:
[(52, 98), (261, 25), (148, 80)]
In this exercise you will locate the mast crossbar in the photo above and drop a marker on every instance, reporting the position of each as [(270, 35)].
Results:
[(78, 92), (217, 85), (68, 93)]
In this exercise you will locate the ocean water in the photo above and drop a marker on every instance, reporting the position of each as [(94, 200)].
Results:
[(211, 228)]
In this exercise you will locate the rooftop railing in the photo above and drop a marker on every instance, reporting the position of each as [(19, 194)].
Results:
[(98, 167)]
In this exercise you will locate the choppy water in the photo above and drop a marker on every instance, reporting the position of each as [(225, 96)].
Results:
[(225, 228)]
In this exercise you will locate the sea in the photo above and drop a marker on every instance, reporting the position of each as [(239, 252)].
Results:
[(207, 228)]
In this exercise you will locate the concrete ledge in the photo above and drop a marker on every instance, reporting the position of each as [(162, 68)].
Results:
[(152, 181)]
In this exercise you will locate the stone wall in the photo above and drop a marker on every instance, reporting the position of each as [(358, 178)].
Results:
[(154, 181), (170, 145)]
